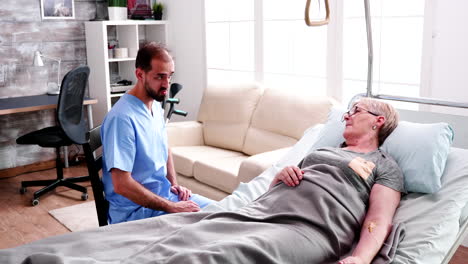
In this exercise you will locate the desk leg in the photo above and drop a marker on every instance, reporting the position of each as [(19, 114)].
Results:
[(90, 116), (65, 156)]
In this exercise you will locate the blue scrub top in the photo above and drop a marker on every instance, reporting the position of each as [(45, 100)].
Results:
[(134, 140)]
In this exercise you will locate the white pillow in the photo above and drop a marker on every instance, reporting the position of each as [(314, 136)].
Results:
[(420, 150), (331, 134)]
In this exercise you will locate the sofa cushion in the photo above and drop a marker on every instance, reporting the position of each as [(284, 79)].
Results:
[(283, 116), (185, 157), (259, 141), (220, 173), (226, 111), (201, 188), (185, 133), (256, 164)]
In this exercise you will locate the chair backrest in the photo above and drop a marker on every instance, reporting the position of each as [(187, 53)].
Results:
[(94, 166), (70, 108)]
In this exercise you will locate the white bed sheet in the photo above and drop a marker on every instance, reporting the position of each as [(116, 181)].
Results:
[(432, 220)]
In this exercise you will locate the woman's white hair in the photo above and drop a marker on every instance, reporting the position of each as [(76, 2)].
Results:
[(383, 109)]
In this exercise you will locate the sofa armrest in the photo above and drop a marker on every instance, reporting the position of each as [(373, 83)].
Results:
[(185, 133), (256, 164)]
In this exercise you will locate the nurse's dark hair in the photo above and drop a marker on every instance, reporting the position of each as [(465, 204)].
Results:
[(150, 51)]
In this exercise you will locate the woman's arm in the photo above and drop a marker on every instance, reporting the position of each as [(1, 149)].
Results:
[(377, 225)]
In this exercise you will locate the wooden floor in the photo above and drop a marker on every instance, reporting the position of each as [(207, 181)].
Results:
[(22, 223)]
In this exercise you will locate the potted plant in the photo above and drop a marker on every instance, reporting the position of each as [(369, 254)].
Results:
[(158, 10), (117, 9)]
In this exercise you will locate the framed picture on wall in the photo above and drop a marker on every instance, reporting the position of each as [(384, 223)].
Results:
[(57, 9)]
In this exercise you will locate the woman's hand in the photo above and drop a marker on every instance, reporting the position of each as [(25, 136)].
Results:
[(351, 260), (290, 175)]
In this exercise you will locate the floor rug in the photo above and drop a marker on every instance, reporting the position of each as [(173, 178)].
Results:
[(77, 217)]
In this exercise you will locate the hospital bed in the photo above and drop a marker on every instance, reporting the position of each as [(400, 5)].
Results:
[(434, 224)]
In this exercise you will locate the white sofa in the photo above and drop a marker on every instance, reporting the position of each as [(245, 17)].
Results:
[(240, 131)]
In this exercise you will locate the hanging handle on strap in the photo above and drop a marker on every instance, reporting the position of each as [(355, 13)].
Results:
[(320, 22)]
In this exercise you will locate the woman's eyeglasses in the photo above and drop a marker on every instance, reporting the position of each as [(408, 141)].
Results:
[(355, 110)]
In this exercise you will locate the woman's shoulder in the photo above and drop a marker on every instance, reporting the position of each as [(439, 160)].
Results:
[(388, 160), (385, 155)]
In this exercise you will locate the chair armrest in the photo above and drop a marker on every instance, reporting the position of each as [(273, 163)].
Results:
[(185, 133), (256, 164)]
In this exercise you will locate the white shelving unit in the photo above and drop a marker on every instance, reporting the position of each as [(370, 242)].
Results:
[(128, 34)]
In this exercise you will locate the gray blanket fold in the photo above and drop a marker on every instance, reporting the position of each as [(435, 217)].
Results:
[(388, 250), (316, 222)]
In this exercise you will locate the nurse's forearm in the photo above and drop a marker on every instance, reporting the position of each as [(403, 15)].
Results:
[(126, 186)]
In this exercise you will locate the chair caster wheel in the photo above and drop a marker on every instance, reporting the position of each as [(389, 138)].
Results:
[(35, 202), (84, 196), (22, 190)]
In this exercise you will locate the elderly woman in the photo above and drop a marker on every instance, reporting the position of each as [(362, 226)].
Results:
[(371, 173), (312, 213)]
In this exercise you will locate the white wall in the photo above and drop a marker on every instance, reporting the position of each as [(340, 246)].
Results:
[(449, 77), (450, 53), (187, 43)]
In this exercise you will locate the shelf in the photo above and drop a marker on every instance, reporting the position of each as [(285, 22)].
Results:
[(121, 88), (128, 34), (116, 94), (121, 59), (131, 22)]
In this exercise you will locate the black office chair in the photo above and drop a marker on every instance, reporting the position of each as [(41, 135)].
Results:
[(71, 129), (94, 166)]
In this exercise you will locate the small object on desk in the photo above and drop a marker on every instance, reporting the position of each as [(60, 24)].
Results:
[(37, 61), (53, 89)]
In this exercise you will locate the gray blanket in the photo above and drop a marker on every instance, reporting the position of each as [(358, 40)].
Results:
[(315, 222)]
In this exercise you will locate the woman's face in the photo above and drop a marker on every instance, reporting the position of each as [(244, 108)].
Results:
[(359, 122)]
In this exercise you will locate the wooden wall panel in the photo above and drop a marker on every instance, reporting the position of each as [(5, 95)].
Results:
[(22, 33), (20, 10)]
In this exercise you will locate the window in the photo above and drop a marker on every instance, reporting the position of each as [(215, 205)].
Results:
[(265, 42), (397, 29), (230, 40), (268, 41), (294, 54)]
